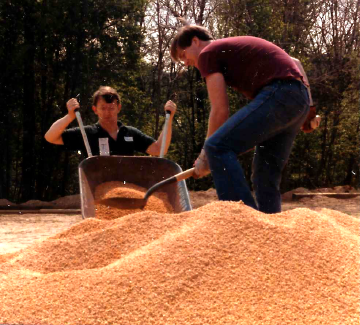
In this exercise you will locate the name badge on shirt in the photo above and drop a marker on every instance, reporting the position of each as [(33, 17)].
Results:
[(104, 147), (129, 139)]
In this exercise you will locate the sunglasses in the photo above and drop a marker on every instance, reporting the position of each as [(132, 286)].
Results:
[(109, 98)]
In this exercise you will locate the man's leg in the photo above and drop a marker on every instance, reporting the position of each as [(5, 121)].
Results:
[(262, 119), (272, 154), (269, 161), (228, 175)]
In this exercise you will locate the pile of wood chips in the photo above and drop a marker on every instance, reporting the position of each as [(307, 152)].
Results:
[(223, 263), (157, 202)]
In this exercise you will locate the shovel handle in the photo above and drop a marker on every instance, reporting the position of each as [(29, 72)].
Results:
[(81, 126), (163, 143), (184, 175), (176, 178), (83, 133)]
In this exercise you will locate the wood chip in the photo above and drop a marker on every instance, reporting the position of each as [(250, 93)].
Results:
[(157, 202), (223, 263)]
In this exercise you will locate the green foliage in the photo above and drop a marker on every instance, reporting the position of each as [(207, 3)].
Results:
[(52, 50)]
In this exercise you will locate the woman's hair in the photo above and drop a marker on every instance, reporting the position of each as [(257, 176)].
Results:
[(184, 38), (107, 92)]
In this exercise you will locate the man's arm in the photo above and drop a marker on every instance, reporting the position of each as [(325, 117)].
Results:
[(312, 121), (155, 148), (219, 112), (306, 80), (54, 134)]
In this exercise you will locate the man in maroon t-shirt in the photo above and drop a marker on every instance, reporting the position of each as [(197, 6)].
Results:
[(265, 73)]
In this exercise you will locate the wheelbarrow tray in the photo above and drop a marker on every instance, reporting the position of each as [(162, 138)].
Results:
[(141, 171)]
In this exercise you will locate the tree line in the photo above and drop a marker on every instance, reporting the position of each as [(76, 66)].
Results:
[(52, 50)]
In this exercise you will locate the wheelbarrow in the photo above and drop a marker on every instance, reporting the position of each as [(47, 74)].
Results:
[(141, 171)]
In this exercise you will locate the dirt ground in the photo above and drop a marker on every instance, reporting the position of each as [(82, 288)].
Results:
[(19, 230)]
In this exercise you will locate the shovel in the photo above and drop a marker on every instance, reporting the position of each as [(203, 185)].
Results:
[(81, 126), (131, 203), (162, 149)]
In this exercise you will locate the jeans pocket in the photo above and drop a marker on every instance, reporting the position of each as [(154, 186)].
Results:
[(290, 103)]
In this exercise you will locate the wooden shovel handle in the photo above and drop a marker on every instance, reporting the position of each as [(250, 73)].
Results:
[(184, 175), (176, 178)]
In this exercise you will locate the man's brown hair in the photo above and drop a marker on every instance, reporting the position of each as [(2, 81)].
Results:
[(105, 90), (184, 37)]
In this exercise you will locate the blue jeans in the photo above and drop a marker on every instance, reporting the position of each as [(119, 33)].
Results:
[(269, 123)]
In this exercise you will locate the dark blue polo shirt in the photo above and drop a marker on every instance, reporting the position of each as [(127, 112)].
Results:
[(129, 140)]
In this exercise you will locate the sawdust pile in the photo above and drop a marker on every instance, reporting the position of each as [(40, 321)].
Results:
[(157, 202), (223, 263)]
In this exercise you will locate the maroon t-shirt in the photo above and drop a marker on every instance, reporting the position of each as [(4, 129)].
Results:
[(248, 63)]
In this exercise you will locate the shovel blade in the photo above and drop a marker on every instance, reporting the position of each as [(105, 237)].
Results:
[(123, 203)]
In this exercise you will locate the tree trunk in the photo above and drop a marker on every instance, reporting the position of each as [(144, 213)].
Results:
[(28, 109)]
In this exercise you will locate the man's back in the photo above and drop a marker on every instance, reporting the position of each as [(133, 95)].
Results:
[(247, 63)]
